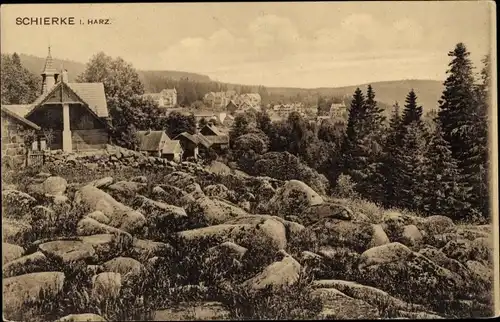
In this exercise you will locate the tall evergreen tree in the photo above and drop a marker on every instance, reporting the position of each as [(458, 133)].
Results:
[(457, 103), (374, 113), (391, 147), (353, 158), (447, 196), (412, 112), (408, 165)]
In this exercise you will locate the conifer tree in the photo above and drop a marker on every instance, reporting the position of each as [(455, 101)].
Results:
[(457, 103), (391, 146), (407, 171), (351, 160), (412, 112), (374, 114), (445, 194)]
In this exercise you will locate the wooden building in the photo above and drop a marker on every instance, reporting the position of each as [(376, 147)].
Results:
[(218, 140), (193, 144), (158, 144), (77, 113)]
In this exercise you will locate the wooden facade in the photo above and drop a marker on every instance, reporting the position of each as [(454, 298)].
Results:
[(88, 131)]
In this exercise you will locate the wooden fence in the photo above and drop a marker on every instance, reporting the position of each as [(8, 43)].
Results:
[(36, 158)]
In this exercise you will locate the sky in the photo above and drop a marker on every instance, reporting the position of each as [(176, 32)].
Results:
[(292, 44)]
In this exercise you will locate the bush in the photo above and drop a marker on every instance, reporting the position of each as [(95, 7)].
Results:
[(345, 187)]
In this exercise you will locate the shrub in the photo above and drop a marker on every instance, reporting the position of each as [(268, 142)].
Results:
[(345, 187)]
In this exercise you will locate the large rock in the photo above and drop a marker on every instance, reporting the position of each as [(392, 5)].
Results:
[(322, 211), (339, 306), (358, 236), (193, 311), (436, 225), (54, 186), (213, 211), (102, 183), (170, 195), (411, 236), (292, 228), (220, 191), (384, 254), (480, 249), (36, 262), (270, 232), (440, 258), (294, 197), (11, 252), (88, 226), (126, 266), (85, 317), (13, 230), (179, 179), (121, 216), (370, 295), (480, 272), (108, 245), (68, 250), (17, 203), (281, 273), (161, 215), (145, 249), (106, 285), (26, 288), (412, 277)]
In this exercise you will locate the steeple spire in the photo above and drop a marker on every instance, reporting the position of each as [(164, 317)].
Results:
[(49, 74)]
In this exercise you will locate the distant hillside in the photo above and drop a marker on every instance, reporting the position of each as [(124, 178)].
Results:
[(428, 91), (35, 65)]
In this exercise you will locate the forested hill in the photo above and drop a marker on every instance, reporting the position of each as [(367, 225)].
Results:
[(428, 91), (35, 64)]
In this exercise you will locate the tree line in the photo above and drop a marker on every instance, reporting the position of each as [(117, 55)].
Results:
[(436, 167)]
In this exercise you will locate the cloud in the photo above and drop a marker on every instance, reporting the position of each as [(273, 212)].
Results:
[(272, 47)]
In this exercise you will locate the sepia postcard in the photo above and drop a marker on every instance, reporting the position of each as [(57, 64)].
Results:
[(249, 161)]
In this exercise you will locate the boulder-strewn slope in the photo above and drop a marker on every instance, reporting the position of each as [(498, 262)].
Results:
[(119, 236)]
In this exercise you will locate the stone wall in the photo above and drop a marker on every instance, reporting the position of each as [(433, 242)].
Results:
[(13, 148)]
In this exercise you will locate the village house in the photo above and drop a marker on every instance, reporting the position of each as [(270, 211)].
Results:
[(158, 144), (77, 113), (167, 98), (16, 130), (338, 110), (215, 100), (193, 144), (219, 141)]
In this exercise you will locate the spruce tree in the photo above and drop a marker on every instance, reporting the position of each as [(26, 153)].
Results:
[(351, 160), (407, 172), (445, 195), (391, 146), (374, 114), (412, 112), (457, 103)]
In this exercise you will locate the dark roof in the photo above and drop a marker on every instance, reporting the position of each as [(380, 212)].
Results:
[(171, 147), (217, 139), (150, 140), (19, 118), (214, 129), (197, 139)]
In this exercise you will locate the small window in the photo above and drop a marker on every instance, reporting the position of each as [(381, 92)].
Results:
[(34, 146)]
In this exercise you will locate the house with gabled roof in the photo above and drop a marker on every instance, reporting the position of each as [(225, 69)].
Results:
[(77, 113), (193, 143), (219, 141), (158, 144)]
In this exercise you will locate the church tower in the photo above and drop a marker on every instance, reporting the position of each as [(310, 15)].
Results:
[(49, 74)]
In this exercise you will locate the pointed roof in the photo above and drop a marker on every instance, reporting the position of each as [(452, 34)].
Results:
[(151, 140), (49, 65), (18, 117)]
